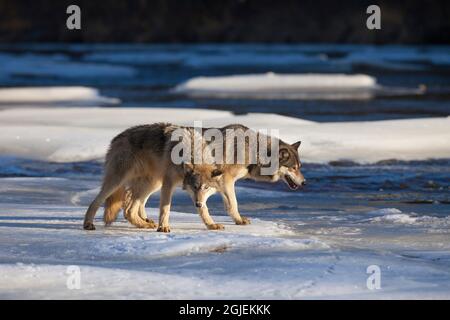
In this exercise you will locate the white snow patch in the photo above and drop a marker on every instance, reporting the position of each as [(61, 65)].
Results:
[(395, 216), (283, 86), (401, 218), (51, 95), (384, 211), (78, 134), (183, 242), (278, 81)]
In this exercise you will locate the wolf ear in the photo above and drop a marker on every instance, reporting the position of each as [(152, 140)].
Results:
[(187, 167), (216, 173), (296, 145)]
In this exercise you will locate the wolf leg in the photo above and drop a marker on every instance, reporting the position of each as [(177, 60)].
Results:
[(135, 219), (110, 185), (164, 205), (231, 205), (135, 204), (148, 189), (136, 192), (113, 204), (207, 220)]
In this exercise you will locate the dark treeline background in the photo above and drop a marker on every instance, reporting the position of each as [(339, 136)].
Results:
[(411, 21)]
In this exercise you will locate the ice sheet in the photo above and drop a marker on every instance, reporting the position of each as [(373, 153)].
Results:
[(77, 134), (53, 95), (269, 259), (306, 86), (281, 86)]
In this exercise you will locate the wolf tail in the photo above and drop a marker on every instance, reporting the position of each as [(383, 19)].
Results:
[(113, 204)]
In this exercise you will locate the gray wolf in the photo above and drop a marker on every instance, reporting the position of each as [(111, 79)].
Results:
[(139, 163)]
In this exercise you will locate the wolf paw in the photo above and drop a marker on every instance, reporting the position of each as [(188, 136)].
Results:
[(163, 229), (244, 221), (150, 224), (89, 226), (215, 226)]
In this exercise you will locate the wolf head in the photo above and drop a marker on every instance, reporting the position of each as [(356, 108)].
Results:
[(201, 182), (289, 165)]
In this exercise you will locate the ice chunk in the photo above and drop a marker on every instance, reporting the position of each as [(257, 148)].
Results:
[(286, 86), (51, 95)]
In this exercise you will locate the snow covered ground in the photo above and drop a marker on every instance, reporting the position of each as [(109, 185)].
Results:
[(318, 254), (53, 95)]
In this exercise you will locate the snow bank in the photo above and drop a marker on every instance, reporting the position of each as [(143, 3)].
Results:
[(287, 86), (77, 134), (278, 81), (51, 95), (52, 238)]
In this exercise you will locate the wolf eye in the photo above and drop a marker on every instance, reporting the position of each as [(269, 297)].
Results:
[(206, 187)]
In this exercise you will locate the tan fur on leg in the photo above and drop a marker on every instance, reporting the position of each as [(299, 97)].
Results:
[(134, 204), (113, 204), (132, 214), (164, 205), (207, 220), (231, 204)]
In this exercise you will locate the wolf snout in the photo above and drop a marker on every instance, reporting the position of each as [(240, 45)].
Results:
[(303, 183)]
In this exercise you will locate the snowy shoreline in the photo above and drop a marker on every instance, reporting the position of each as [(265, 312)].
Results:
[(82, 134)]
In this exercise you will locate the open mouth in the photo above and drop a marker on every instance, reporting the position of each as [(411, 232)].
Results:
[(292, 185)]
